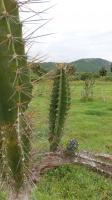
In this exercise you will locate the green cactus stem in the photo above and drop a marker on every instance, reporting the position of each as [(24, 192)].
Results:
[(60, 102), (15, 94)]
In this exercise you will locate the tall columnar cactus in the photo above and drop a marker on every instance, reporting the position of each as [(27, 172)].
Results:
[(15, 94), (60, 102)]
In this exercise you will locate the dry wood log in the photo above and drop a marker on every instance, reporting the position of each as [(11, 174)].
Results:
[(101, 163)]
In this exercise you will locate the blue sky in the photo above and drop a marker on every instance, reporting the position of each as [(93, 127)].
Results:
[(83, 29)]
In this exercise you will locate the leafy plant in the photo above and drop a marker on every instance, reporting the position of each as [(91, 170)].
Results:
[(86, 75), (103, 71), (60, 102)]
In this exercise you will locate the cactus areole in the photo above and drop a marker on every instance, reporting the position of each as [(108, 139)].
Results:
[(15, 94)]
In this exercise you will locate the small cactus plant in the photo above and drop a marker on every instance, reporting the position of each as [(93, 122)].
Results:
[(15, 94), (60, 102)]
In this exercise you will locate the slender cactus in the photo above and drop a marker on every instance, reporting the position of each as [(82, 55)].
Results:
[(15, 94), (60, 102)]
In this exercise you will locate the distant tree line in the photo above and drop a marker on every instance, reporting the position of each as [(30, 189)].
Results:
[(71, 69)]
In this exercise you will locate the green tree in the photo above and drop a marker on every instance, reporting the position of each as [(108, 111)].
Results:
[(103, 71)]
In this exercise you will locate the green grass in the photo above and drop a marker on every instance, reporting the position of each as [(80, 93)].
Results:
[(73, 183), (88, 122), (91, 124)]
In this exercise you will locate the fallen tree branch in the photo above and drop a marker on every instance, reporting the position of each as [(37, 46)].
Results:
[(101, 163)]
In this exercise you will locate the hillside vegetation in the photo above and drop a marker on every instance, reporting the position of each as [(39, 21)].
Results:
[(83, 65)]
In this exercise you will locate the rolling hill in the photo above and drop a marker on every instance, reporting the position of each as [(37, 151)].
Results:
[(91, 64), (83, 65)]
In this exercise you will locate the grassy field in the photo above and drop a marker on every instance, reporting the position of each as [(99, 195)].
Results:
[(91, 124), (88, 122)]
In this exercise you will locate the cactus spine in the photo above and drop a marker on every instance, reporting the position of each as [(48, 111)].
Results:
[(60, 101), (15, 94)]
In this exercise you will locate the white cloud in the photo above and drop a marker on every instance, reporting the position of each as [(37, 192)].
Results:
[(82, 29)]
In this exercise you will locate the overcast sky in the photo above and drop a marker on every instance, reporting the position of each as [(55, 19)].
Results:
[(83, 29)]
